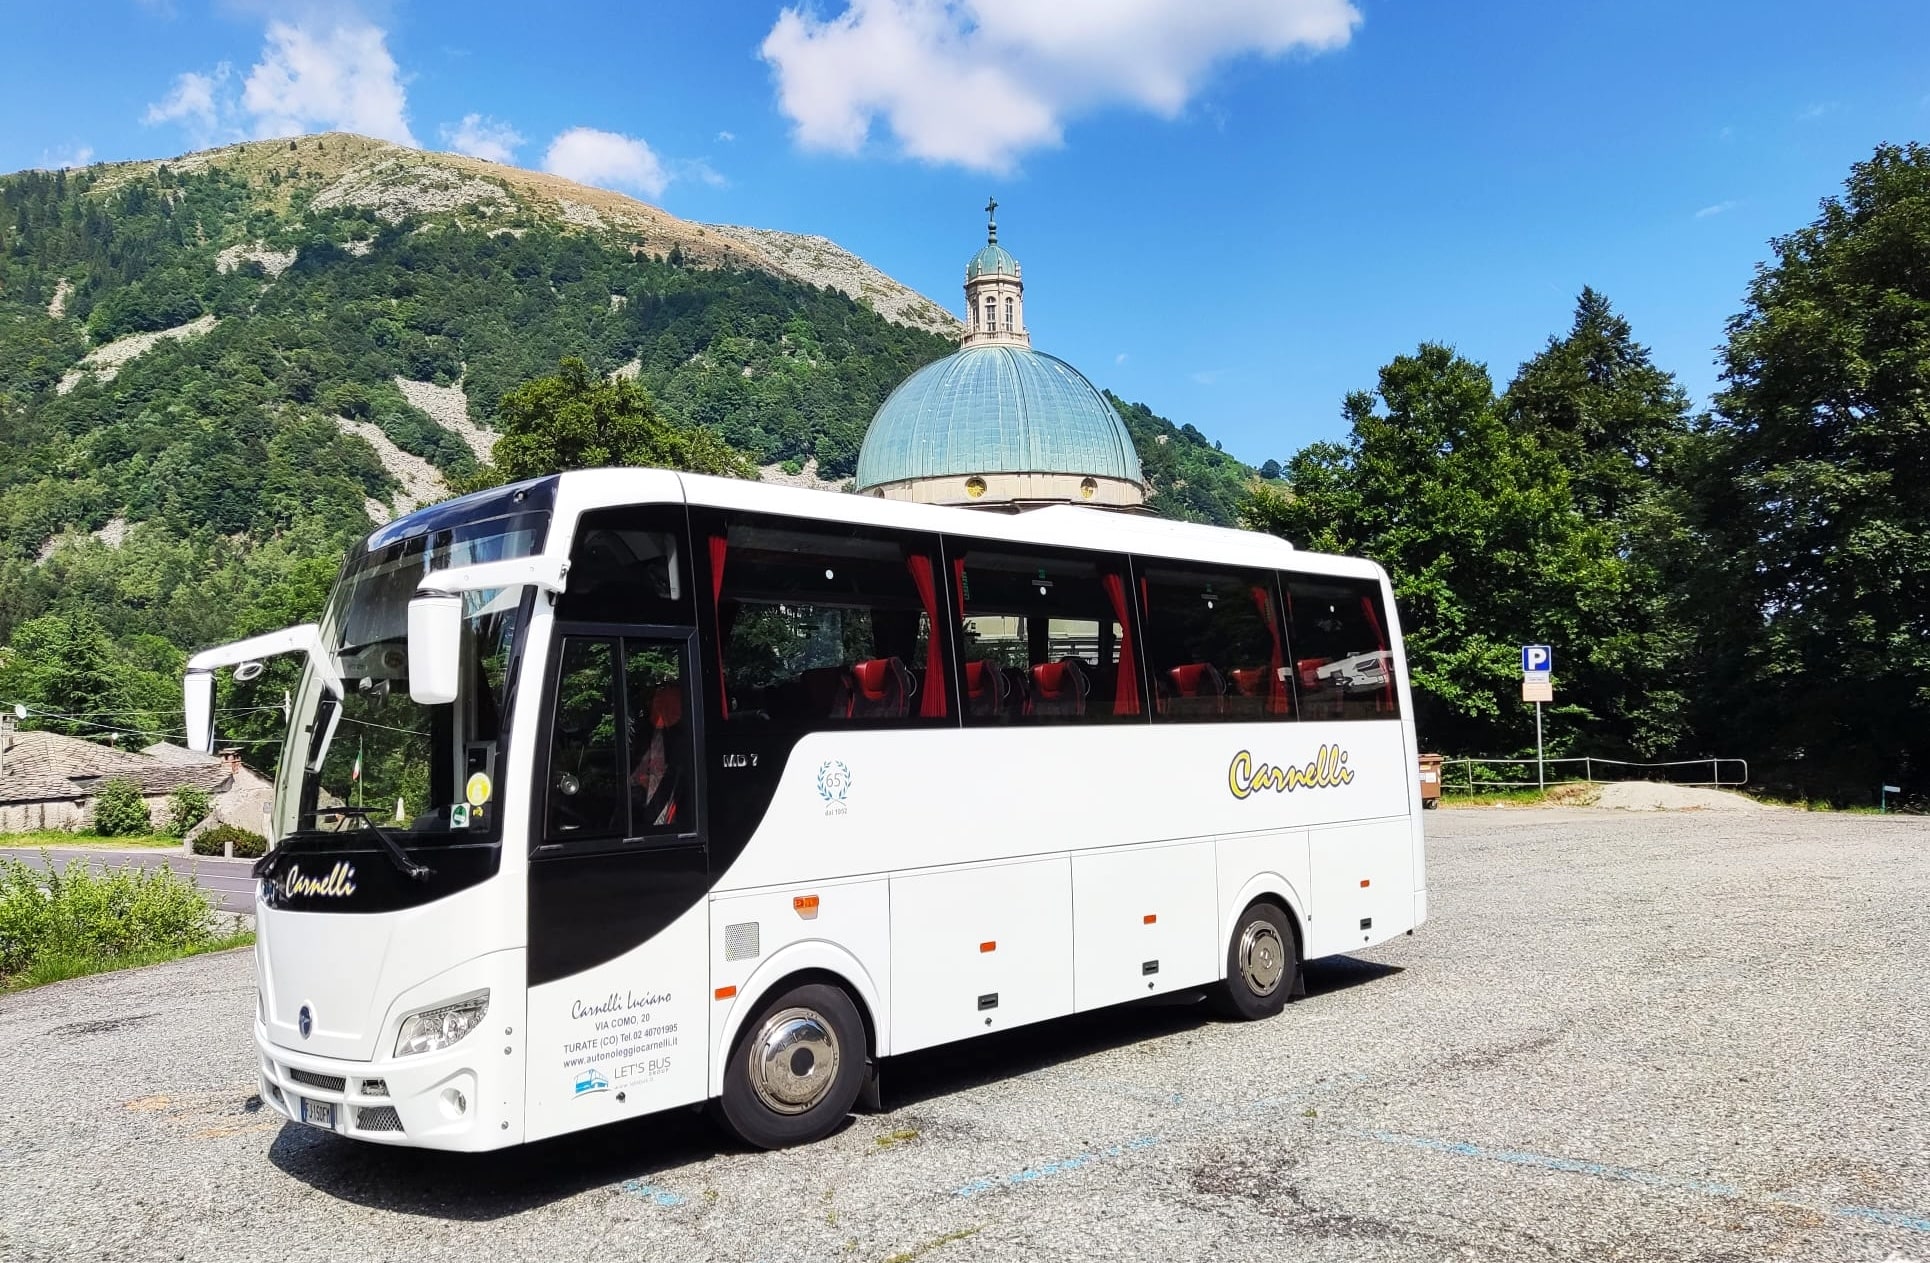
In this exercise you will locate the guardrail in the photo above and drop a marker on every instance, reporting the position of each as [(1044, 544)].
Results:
[(1722, 773)]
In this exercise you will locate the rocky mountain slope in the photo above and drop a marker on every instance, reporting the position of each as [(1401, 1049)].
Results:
[(339, 169)]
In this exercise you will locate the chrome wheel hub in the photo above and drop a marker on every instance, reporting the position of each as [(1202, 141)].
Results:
[(793, 1060), (1263, 958)]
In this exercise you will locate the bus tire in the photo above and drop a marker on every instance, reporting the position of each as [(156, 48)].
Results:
[(796, 1068), (1262, 965)]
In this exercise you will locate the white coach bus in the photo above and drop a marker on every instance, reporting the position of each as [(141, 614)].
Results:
[(622, 790)]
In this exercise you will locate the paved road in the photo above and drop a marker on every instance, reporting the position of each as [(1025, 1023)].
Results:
[(226, 879), (1621, 1037)]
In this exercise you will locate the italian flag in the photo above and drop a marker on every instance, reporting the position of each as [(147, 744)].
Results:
[(355, 773)]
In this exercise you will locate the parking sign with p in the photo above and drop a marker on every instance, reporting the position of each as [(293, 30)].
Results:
[(1537, 660)]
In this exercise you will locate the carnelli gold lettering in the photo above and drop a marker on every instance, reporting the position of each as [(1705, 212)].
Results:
[(340, 883), (1327, 770)]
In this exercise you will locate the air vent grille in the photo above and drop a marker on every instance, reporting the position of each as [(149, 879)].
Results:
[(741, 941)]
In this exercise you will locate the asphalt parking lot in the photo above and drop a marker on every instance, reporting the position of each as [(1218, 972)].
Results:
[(1621, 1036)]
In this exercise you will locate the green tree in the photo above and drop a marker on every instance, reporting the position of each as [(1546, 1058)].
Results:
[(1621, 427), (577, 420), (1814, 495), (1476, 523)]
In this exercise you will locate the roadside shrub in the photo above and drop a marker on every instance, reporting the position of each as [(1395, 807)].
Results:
[(248, 844), (82, 914), (188, 806), (119, 810)]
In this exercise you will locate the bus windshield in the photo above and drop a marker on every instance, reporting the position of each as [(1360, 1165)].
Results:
[(411, 769)]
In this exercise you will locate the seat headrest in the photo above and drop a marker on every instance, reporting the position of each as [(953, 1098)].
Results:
[(875, 677), (1195, 678), (1251, 681), (980, 678), (1056, 679)]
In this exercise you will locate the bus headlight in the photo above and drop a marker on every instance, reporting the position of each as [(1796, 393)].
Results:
[(432, 1030)]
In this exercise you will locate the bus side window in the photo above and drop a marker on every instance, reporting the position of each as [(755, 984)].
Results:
[(1215, 643), (585, 788), (628, 565), (1044, 637), (827, 626), (621, 771), (1343, 660)]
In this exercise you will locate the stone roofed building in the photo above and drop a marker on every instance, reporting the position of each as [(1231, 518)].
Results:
[(997, 424), (48, 780)]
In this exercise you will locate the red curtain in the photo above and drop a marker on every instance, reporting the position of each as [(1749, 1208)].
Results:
[(719, 546), (1370, 607), (1276, 686), (1125, 698), (932, 705)]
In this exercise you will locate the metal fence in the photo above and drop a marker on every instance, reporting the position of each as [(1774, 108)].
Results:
[(1725, 773)]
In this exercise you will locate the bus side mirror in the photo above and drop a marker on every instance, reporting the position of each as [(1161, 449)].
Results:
[(435, 648), (197, 697)]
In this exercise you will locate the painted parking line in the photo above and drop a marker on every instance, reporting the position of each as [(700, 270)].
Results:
[(1913, 1221), (1060, 1166), (650, 1193)]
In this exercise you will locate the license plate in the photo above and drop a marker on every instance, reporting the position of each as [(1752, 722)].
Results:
[(318, 1113)]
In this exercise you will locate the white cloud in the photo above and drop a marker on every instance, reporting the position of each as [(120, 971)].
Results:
[(196, 101), (342, 78), (1120, 358), (1819, 109), (606, 160), (60, 159), (1710, 212), (481, 137), (727, 137), (309, 78), (980, 82)]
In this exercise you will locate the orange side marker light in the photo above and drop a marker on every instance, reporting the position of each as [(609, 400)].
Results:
[(1363, 883), (989, 947), (806, 906), (1151, 918), (725, 993)]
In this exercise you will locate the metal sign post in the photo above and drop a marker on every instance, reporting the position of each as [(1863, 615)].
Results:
[(1537, 686), (1883, 798)]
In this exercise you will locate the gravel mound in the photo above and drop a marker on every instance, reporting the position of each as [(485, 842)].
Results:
[(1654, 796)]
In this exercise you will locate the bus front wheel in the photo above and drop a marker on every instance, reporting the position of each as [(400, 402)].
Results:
[(1261, 965), (796, 1069)]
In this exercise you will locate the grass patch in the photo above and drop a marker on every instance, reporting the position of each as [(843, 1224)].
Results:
[(59, 967), (60, 839), (79, 920), (1572, 794)]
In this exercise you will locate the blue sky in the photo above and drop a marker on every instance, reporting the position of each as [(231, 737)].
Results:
[(1231, 210)]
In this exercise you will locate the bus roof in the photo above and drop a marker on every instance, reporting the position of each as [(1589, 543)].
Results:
[(1062, 525)]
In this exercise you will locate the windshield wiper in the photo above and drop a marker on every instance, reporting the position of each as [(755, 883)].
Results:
[(397, 856)]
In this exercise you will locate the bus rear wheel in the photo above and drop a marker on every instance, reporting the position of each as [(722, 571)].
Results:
[(796, 1069), (1261, 965)]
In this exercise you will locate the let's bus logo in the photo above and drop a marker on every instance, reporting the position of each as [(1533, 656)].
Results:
[(1327, 770)]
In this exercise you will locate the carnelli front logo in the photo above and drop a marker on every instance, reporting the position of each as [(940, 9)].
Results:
[(339, 884), (1328, 770)]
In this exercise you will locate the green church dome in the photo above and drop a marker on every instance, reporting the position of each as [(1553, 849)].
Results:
[(993, 260), (996, 409)]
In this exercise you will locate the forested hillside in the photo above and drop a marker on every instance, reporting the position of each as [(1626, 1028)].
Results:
[(214, 372)]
